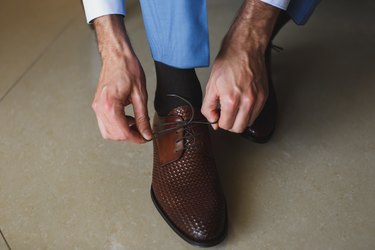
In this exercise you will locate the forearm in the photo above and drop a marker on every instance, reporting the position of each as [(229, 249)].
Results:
[(252, 27), (112, 37), (122, 82)]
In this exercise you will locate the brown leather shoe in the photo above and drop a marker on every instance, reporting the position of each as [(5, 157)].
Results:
[(185, 183)]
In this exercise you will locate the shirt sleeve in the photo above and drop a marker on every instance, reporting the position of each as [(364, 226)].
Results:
[(281, 4), (97, 8)]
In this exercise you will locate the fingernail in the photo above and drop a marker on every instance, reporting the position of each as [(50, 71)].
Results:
[(147, 135)]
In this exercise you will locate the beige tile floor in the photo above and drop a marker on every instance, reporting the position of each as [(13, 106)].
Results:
[(63, 187)]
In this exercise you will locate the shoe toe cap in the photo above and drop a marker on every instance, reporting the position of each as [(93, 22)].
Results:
[(209, 229)]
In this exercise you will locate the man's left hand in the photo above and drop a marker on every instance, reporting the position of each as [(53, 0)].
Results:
[(238, 86), (238, 82)]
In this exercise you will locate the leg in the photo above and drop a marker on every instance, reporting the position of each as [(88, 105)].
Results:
[(182, 82), (178, 37), (177, 32), (185, 185)]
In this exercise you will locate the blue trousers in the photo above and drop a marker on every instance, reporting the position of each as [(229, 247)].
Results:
[(177, 30)]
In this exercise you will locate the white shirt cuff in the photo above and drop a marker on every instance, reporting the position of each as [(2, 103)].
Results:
[(281, 4), (97, 8)]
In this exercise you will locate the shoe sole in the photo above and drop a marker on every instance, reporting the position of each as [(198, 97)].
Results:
[(182, 235), (259, 140)]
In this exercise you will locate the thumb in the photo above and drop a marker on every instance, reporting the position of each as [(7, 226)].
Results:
[(141, 118)]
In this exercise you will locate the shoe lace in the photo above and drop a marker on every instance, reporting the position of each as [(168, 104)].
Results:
[(188, 137), (277, 48)]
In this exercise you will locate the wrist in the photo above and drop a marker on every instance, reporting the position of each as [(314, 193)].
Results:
[(252, 27), (112, 37)]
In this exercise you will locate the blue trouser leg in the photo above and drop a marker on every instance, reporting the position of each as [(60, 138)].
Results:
[(177, 32), (301, 10)]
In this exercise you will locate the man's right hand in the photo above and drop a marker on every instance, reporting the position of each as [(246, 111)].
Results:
[(122, 82)]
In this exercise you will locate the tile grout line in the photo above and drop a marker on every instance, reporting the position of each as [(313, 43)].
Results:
[(5, 240), (21, 77), (36, 60)]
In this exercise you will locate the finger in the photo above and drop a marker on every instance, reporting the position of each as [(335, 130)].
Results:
[(210, 108), (102, 129), (114, 123), (131, 121), (242, 118), (228, 113), (126, 123), (132, 124), (258, 106), (142, 119), (101, 108), (118, 127)]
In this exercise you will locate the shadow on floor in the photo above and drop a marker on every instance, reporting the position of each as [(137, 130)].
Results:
[(328, 81)]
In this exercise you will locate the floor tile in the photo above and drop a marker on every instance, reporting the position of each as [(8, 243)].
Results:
[(27, 28), (3, 245)]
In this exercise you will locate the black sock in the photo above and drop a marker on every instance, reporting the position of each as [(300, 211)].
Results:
[(182, 82)]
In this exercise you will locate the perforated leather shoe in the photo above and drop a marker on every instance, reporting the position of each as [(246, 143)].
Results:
[(185, 183)]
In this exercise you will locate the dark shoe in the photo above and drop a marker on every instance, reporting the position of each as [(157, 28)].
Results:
[(185, 183), (262, 129)]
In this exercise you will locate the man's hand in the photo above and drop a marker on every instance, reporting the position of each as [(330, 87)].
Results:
[(122, 82), (238, 81)]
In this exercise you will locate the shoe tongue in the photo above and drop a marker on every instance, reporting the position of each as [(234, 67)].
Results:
[(183, 112)]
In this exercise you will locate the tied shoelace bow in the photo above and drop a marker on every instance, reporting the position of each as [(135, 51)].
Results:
[(182, 124)]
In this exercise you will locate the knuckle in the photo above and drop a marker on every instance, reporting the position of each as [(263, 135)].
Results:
[(107, 106), (231, 101), (247, 100), (203, 111), (94, 106)]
